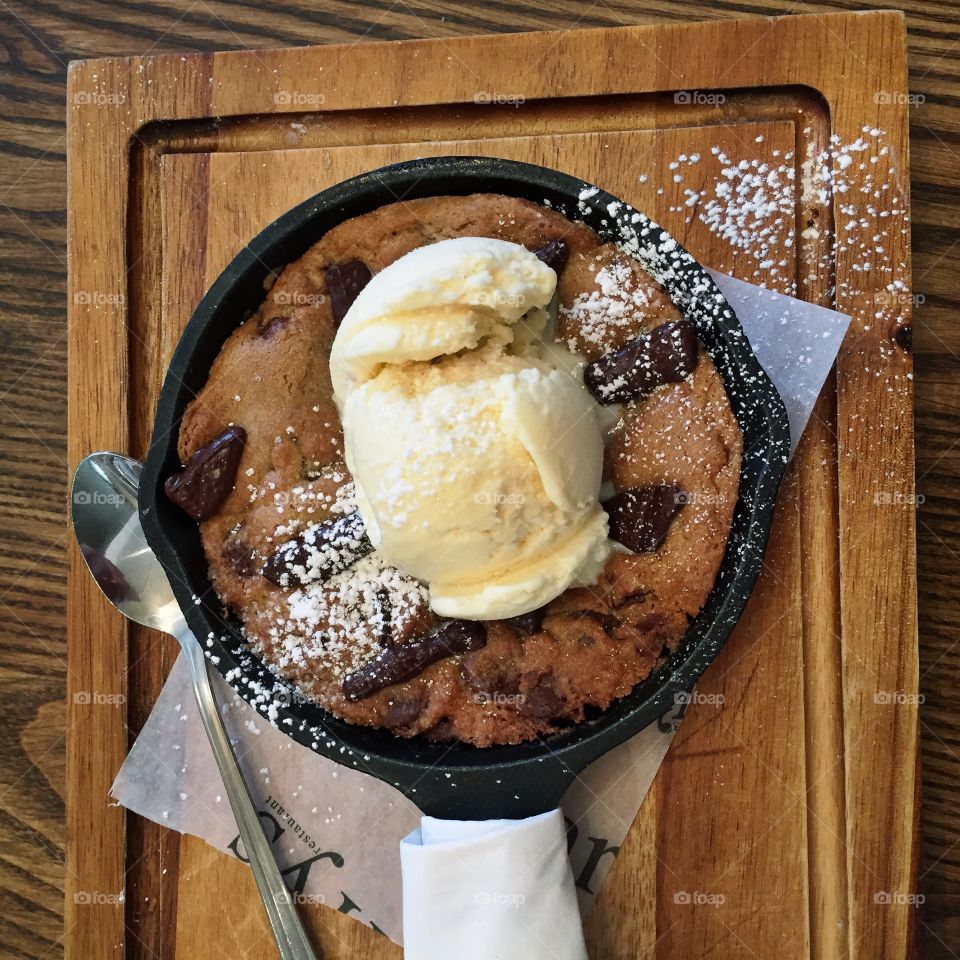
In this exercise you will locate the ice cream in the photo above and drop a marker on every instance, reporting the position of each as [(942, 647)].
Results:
[(477, 457), (437, 300)]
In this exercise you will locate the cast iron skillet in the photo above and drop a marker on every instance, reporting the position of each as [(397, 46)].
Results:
[(463, 781)]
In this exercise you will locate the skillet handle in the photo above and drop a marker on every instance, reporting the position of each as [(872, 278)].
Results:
[(514, 791)]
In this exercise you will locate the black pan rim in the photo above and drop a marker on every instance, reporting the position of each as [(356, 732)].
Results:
[(462, 780)]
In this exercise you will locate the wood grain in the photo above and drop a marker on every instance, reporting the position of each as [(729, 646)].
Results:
[(38, 40)]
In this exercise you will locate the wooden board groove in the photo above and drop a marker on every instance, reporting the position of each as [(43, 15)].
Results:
[(771, 801)]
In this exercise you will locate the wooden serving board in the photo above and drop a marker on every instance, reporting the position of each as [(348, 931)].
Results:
[(783, 823)]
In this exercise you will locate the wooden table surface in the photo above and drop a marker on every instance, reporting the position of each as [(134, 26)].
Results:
[(38, 41)]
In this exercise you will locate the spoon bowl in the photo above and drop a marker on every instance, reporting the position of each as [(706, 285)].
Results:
[(104, 510)]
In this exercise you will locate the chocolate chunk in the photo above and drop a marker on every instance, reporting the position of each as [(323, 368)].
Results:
[(543, 700), (238, 555), (442, 731), (641, 516), (651, 622), (903, 337), (528, 623), (554, 254), (402, 711), (408, 660), (208, 477), (605, 620), (344, 283), (491, 678), (668, 354), (318, 552), (585, 626), (270, 328), (658, 629)]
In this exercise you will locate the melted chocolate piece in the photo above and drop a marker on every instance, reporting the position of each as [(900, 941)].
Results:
[(657, 630), (667, 354), (272, 327), (554, 254), (606, 620), (441, 731), (408, 660), (641, 516), (344, 283), (238, 554), (318, 552), (402, 711), (903, 337), (651, 622), (543, 699), (492, 679), (528, 623), (208, 477)]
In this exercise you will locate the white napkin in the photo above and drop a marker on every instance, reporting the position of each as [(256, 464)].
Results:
[(490, 890)]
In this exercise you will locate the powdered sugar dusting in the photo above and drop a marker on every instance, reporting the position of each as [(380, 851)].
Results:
[(339, 624), (615, 302), (750, 203)]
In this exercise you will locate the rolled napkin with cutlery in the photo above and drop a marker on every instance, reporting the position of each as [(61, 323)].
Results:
[(490, 889)]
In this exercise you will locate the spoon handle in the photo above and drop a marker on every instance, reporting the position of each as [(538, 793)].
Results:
[(291, 938)]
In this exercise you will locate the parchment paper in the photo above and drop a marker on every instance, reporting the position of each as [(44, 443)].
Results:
[(335, 831)]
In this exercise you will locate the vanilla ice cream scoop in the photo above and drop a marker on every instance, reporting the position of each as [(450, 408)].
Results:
[(436, 300), (477, 468)]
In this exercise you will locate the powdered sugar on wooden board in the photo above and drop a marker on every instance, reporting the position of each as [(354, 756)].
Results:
[(750, 203)]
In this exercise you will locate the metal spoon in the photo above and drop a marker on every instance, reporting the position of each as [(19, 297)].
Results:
[(107, 527)]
